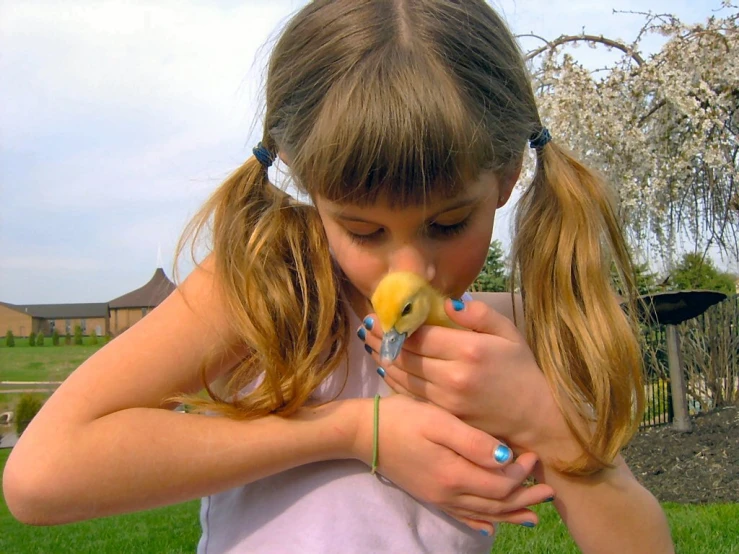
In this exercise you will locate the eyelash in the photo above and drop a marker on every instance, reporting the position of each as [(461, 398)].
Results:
[(443, 231)]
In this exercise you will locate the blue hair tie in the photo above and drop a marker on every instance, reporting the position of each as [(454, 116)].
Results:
[(263, 156), (539, 139)]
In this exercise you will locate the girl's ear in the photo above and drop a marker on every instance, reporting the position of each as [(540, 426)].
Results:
[(506, 184), (284, 157)]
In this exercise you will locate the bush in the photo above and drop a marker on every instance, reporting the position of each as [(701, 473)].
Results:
[(40, 339), (108, 338), (9, 338), (67, 339), (32, 339), (77, 334), (28, 407), (55, 338), (93, 337)]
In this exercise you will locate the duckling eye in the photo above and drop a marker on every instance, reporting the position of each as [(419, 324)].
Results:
[(407, 309)]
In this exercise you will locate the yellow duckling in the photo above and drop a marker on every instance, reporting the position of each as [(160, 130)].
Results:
[(404, 301)]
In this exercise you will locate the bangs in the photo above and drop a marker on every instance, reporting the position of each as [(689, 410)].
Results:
[(395, 127)]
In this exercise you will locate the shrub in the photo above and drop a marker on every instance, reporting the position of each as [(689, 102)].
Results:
[(9, 338), (93, 337), (28, 407), (67, 339), (40, 339), (32, 339), (55, 338), (77, 334)]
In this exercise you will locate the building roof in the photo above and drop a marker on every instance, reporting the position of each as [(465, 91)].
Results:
[(60, 311), (150, 295)]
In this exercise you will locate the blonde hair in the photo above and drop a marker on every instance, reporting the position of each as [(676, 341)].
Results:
[(409, 99)]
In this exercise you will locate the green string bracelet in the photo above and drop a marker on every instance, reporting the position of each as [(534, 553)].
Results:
[(376, 435)]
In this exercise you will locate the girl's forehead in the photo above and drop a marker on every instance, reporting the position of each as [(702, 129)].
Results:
[(469, 193)]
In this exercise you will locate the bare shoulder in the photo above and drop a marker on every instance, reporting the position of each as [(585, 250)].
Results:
[(505, 304)]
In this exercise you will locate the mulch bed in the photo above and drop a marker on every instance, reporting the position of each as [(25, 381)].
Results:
[(697, 467)]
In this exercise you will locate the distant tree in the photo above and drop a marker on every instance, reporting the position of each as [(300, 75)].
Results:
[(646, 281), (67, 339), (55, 338), (27, 408), (40, 339), (698, 272), (9, 338), (32, 339), (93, 337), (78, 334), (493, 277)]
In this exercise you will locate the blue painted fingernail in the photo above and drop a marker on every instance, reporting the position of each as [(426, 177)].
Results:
[(502, 454), (368, 323), (458, 305), (368, 349), (529, 524), (484, 532), (361, 334), (381, 372)]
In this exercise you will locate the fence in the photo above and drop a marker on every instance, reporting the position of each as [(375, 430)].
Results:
[(710, 354)]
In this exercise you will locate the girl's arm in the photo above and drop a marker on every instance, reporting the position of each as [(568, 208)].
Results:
[(609, 511), (104, 443)]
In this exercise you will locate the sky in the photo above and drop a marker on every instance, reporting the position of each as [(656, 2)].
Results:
[(118, 118)]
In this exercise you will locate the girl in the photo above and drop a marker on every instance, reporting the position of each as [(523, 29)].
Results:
[(406, 123)]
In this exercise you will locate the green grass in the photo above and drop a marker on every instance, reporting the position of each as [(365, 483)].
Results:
[(42, 363), (696, 529)]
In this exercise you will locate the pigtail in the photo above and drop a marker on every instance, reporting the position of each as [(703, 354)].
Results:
[(567, 237), (276, 275)]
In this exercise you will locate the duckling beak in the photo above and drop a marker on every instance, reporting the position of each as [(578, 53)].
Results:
[(392, 342)]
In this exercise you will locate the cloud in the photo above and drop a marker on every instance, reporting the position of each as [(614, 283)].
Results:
[(118, 118), (49, 263)]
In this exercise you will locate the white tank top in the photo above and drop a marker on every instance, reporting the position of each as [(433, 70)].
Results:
[(335, 506)]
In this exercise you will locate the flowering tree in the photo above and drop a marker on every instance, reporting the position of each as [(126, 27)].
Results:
[(662, 129)]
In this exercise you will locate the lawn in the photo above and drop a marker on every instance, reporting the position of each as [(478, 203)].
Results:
[(42, 363), (697, 529)]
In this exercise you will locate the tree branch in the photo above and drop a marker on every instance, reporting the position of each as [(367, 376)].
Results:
[(564, 39)]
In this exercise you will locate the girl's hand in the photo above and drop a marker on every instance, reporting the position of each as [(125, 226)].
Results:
[(484, 374), (440, 460)]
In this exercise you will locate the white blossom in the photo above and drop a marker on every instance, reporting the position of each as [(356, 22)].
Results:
[(663, 130)]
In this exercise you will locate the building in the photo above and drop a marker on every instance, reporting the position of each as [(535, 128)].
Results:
[(107, 318)]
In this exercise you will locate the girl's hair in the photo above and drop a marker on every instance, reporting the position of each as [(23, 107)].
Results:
[(407, 100)]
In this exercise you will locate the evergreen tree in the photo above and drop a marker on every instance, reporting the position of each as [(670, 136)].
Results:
[(493, 277)]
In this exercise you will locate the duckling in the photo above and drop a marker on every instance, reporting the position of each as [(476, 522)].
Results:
[(404, 301)]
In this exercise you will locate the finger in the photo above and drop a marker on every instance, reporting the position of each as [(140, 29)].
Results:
[(394, 385), (474, 445), (514, 508), (525, 517), (480, 317), (485, 528), (430, 341)]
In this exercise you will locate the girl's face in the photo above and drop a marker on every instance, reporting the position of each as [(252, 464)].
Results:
[(445, 241)]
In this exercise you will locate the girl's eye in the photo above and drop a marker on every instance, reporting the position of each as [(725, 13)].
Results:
[(444, 231), (365, 238)]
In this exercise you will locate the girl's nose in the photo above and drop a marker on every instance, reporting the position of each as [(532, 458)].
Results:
[(415, 260)]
